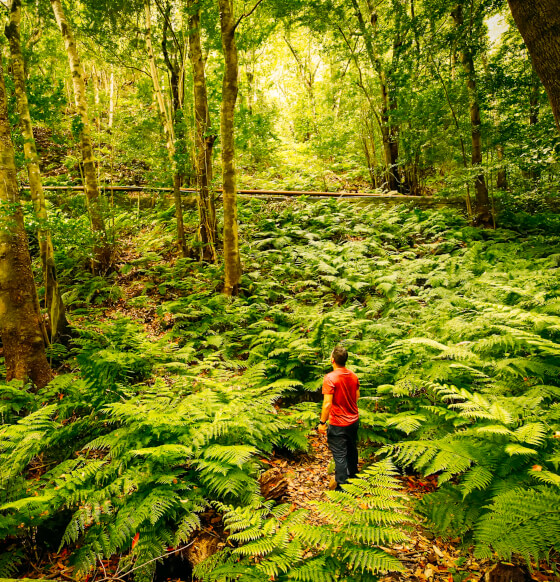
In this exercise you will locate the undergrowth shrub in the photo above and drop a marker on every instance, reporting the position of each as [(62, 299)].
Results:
[(161, 457)]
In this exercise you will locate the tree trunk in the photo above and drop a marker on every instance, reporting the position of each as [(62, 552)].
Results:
[(169, 131), (102, 252), (167, 121), (21, 329), (172, 66), (232, 260), (274, 485), (177, 183), (539, 24), (482, 210), (112, 101), (389, 132), (533, 173), (307, 76), (55, 305), (501, 182), (204, 142)]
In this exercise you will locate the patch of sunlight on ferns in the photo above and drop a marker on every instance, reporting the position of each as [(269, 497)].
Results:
[(278, 542)]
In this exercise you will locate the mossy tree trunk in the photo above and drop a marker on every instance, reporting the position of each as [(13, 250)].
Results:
[(21, 327), (204, 142), (539, 24), (55, 305), (232, 260), (102, 252)]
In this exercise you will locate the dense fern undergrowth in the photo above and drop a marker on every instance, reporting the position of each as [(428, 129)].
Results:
[(170, 395)]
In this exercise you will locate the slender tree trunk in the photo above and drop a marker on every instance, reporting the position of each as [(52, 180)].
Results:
[(501, 181), (21, 329), (177, 183), (168, 128), (167, 121), (112, 101), (394, 129), (533, 173), (204, 142), (249, 73), (368, 140), (172, 66), (389, 132), (102, 252), (539, 24), (55, 305), (482, 211), (232, 260), (307, 76)]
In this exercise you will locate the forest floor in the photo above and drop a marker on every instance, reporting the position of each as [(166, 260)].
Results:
[(425, 557)]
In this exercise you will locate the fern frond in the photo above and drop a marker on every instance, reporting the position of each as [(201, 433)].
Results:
[(522, 521)]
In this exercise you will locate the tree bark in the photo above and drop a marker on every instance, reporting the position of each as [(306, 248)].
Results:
[(172, 66), (21, 329), (102, 252), (169, 131), (389, 131), (501, 181), (533, 173), (232, 260), (112, 101), (539, 24), (482, 210), (204, 142), (55, 305)]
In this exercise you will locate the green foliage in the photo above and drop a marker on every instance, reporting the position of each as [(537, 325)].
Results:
[(522, 521), (276, 542), (454, 335), (497, 444), (161, 455)]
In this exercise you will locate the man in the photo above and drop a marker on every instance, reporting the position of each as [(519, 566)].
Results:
[(341, 390)]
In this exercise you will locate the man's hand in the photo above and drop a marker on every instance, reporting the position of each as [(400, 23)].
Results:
[(322, 429)]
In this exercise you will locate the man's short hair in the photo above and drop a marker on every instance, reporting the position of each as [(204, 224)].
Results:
[(339, 355)]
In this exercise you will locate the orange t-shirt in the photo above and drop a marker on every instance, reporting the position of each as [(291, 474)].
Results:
[(343, 385)]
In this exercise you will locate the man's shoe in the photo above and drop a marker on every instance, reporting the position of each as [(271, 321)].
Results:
[(332, 484)]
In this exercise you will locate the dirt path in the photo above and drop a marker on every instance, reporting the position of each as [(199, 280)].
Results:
[(308, 476)]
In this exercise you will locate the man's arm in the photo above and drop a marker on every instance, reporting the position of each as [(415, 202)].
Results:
[(327, 405)]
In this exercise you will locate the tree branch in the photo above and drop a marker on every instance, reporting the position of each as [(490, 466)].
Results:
[(247, 15), (170, 25)]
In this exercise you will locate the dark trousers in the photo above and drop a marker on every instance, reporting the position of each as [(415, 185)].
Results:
[(342, 441)]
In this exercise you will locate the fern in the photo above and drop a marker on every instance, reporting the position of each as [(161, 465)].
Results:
[(279, 543), (521, 521), (454, 334)]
